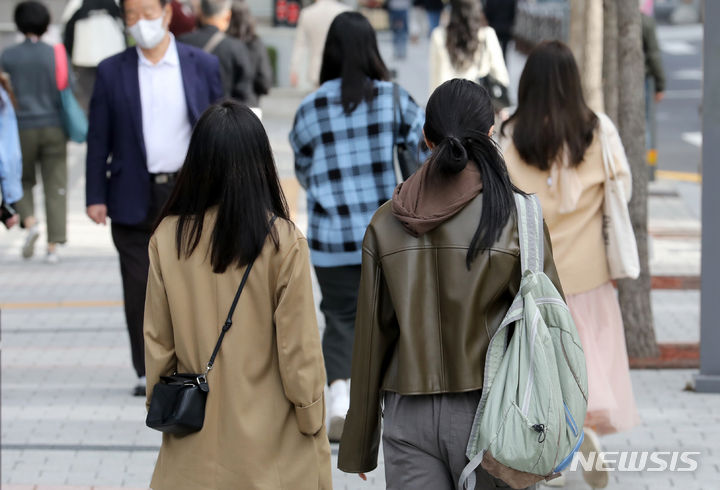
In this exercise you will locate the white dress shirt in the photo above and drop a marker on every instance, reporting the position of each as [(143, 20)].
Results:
[(165, 119)]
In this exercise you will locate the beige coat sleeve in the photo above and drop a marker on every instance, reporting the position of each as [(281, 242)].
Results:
[(498, 69), (300, 49), (160, 358), (298, 340), (436, 47)]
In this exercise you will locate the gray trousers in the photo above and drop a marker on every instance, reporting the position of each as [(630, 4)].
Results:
[(424, 441)]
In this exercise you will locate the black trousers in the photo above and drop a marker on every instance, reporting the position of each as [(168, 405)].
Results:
[(339, 287), (131, 242)]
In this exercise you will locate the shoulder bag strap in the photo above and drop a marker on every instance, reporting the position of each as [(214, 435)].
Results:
[(61, 67), (228, 321), (213, 42), (608, 163), (396, 105), (530, 232)]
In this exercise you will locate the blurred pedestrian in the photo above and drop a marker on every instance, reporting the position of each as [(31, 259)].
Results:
[(263, 424), (434, 10), (145, 102), (399, 11), (31, 67), (466, 48), (236, 66), (500, 15), (185, 15), (552, 148), (10, 155), (343, 139), (310, 34), (94, 31), (440, 269), (242, 26), (654, 77)]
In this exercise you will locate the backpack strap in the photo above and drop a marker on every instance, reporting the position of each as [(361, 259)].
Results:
[(213, 42), (531, 233)]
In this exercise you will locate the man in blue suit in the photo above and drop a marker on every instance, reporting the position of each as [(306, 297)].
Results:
[(144, 105)]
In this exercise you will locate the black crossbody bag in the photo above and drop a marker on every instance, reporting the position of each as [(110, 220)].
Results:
[(178, 401)]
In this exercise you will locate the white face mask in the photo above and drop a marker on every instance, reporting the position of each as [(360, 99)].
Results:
[(148, 33)]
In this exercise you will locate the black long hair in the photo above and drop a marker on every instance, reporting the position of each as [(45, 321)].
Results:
[(351, 53), (551, 114), (462, 41), (229, 165), (242, 23), (458, 118)]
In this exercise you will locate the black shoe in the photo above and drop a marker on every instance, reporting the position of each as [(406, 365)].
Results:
[(139, 390)]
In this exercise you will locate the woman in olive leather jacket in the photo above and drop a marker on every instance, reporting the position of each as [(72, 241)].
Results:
[(440, 268)]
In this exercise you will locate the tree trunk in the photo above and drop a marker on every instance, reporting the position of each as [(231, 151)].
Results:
[(586, 42), (576, 37), (634, 295), (610, 59)]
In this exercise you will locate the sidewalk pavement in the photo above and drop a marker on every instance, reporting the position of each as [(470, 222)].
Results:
[(68, 418)]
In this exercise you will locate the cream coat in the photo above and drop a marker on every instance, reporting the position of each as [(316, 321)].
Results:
[(264, 420), (489, 59), (577, 235)]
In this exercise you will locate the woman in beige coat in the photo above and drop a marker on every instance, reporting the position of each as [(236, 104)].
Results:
[(264, 419), (552, 148)]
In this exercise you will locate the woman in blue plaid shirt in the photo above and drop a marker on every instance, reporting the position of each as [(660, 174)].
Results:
[(343, 139)]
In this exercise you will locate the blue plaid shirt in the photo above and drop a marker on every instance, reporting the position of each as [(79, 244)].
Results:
[(345, 163)]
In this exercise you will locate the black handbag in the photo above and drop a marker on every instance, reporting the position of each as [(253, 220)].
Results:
[(178, 401), (407, 158), (499, 95)]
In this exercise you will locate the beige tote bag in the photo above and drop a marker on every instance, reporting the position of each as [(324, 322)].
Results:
[(620, 244)]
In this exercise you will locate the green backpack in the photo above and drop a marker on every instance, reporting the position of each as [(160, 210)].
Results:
[(530, 417)]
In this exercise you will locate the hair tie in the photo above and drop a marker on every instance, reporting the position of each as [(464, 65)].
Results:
[(457, 149)]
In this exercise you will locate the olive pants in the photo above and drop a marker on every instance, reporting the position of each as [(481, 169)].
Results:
[(46, 149)]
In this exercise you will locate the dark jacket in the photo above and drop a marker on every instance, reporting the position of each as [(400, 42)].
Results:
[(115, 129), (236, 66), (31, 66), (651, 49), (262, 70), (424, 321), (500, 15)]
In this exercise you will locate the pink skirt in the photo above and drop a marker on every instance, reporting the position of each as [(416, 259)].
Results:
[(611, 404)]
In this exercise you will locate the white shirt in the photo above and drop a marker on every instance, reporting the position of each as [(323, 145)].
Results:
[(165, 119), (488, 59)]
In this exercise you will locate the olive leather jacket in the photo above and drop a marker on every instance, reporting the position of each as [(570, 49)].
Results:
[(424, 321)]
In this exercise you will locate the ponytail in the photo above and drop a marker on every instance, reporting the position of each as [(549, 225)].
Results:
[(458, 119)]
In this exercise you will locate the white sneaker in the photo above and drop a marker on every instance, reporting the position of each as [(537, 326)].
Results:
[(590, 444), (28, 248), (52, 257), (338, 405)]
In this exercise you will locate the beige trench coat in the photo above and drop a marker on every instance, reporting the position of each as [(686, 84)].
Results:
[(264, 420)]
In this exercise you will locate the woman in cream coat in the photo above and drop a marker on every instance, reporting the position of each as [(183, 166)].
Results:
[(552, 148), (264, 419), (465, 48)]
